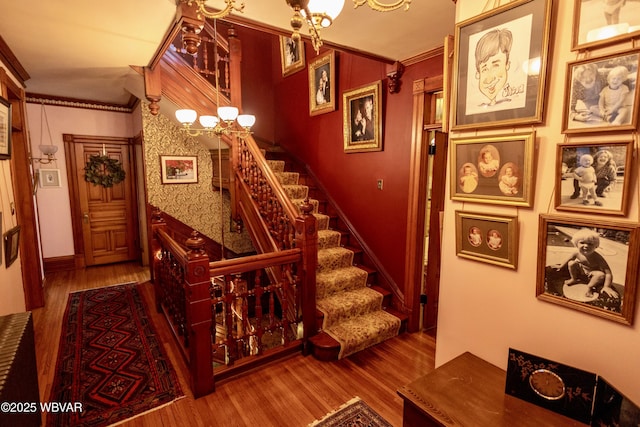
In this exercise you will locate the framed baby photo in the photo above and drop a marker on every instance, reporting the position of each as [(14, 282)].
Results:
[(494, 169), (601, 95), (597, 24), (590, 266), (322, 79), (487, 238), (500, 66), (362, 124), (291, 55), (594, 178)]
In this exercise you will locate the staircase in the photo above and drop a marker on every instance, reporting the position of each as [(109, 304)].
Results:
[(352, 311)]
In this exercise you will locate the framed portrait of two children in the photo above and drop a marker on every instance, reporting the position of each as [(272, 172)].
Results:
[(500, 66)]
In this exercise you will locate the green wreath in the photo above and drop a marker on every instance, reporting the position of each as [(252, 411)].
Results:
[(101, 170)]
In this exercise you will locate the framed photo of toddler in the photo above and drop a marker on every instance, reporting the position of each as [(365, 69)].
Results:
[(291, 55), (493, 169), (603, 23), (601, 94), (362, 125), (322, 79), (590, 266), (500, 66), (593, 178), (487, 238)]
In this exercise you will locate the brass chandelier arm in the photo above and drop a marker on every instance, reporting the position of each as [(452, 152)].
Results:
[(381, 7), (203, 10)]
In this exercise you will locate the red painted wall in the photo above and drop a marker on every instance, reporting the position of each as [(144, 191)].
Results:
[(379, 217), (281, 105)]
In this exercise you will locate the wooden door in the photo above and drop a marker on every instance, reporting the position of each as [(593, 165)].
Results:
[(106, 217)]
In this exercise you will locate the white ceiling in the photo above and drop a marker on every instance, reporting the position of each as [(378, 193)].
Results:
[(83, 49)]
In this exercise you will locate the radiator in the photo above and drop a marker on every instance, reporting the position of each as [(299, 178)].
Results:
[(19, 394)]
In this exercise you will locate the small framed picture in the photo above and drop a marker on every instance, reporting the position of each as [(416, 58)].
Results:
[(291, 55), (11, 245), (500, 66), (179, 169), (593, 178), (322, 80), (493, 169), (5, 129), (362, 122), (488, 238), (601, 94), (603, 23), (49, 178), (590, 266)]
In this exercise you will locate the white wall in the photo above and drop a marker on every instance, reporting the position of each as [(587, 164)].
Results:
[(54, 208), (487, 309)]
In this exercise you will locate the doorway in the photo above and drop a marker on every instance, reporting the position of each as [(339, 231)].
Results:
[(104, 217)]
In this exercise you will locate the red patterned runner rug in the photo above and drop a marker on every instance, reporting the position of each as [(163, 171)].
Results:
[(111, 364)]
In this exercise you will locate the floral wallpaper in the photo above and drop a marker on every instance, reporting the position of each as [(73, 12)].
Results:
[(197, 205)]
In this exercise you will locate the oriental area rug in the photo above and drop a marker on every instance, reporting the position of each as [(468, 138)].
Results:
[(354, 413), (111, 365)]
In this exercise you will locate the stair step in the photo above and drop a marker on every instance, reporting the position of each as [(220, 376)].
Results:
[(339, 280), (328, 239), (296, 191), (347, 305), (332, 258)]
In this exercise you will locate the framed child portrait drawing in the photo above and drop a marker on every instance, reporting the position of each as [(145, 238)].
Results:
[(500, 66), (362, 124), (601, 94), (493, 169), (590, 266), (593, 178)]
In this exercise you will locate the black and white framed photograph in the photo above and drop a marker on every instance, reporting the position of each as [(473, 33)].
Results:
[(601, 94), (594, 178), (590, 266), (322, 84), (603, 22), (487, 238), (291, 55), (11, 245), (500, 66)]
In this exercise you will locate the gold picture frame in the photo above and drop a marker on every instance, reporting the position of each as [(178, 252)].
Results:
[(611, 293), (362, 124), (292, 56), (494, 169), (487, 238), (179, 169), (596, 25), (611, 164), (585, 110), (322, 84), (517, 36)]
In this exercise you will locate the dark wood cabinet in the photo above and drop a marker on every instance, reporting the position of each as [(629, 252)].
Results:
[(468, 391)]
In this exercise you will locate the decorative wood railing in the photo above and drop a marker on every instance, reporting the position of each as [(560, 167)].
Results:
[(232, 315)]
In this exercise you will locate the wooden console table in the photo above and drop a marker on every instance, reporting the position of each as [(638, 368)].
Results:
[(468, 391)]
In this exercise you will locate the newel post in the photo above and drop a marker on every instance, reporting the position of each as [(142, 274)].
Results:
[(307, 240), (155, 254), (198, 308)]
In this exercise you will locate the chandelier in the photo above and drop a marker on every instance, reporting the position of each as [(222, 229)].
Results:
[(222, 124), (317, 14)]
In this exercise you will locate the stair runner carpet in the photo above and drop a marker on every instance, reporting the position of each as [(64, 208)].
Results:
[(353, 313)]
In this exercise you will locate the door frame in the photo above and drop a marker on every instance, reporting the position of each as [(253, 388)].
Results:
[(74, 188)]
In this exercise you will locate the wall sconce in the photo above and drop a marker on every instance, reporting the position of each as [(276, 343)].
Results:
[(49, 151)]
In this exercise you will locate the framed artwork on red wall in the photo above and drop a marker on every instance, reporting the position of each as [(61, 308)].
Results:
[(322, 87), (362, 118)]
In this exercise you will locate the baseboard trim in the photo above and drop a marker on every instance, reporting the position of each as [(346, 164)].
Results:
[(61, 263)]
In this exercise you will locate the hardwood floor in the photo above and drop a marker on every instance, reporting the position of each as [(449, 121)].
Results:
[(293, 392)]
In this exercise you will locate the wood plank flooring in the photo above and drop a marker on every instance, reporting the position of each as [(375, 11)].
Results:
[(293, 392)]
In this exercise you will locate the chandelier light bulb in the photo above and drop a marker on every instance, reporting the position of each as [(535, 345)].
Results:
[(246, 120), (209, 122), (227, 114), (186, 116)]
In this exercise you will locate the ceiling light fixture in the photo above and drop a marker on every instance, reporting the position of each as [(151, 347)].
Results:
[(222, 124), (205, 11)]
